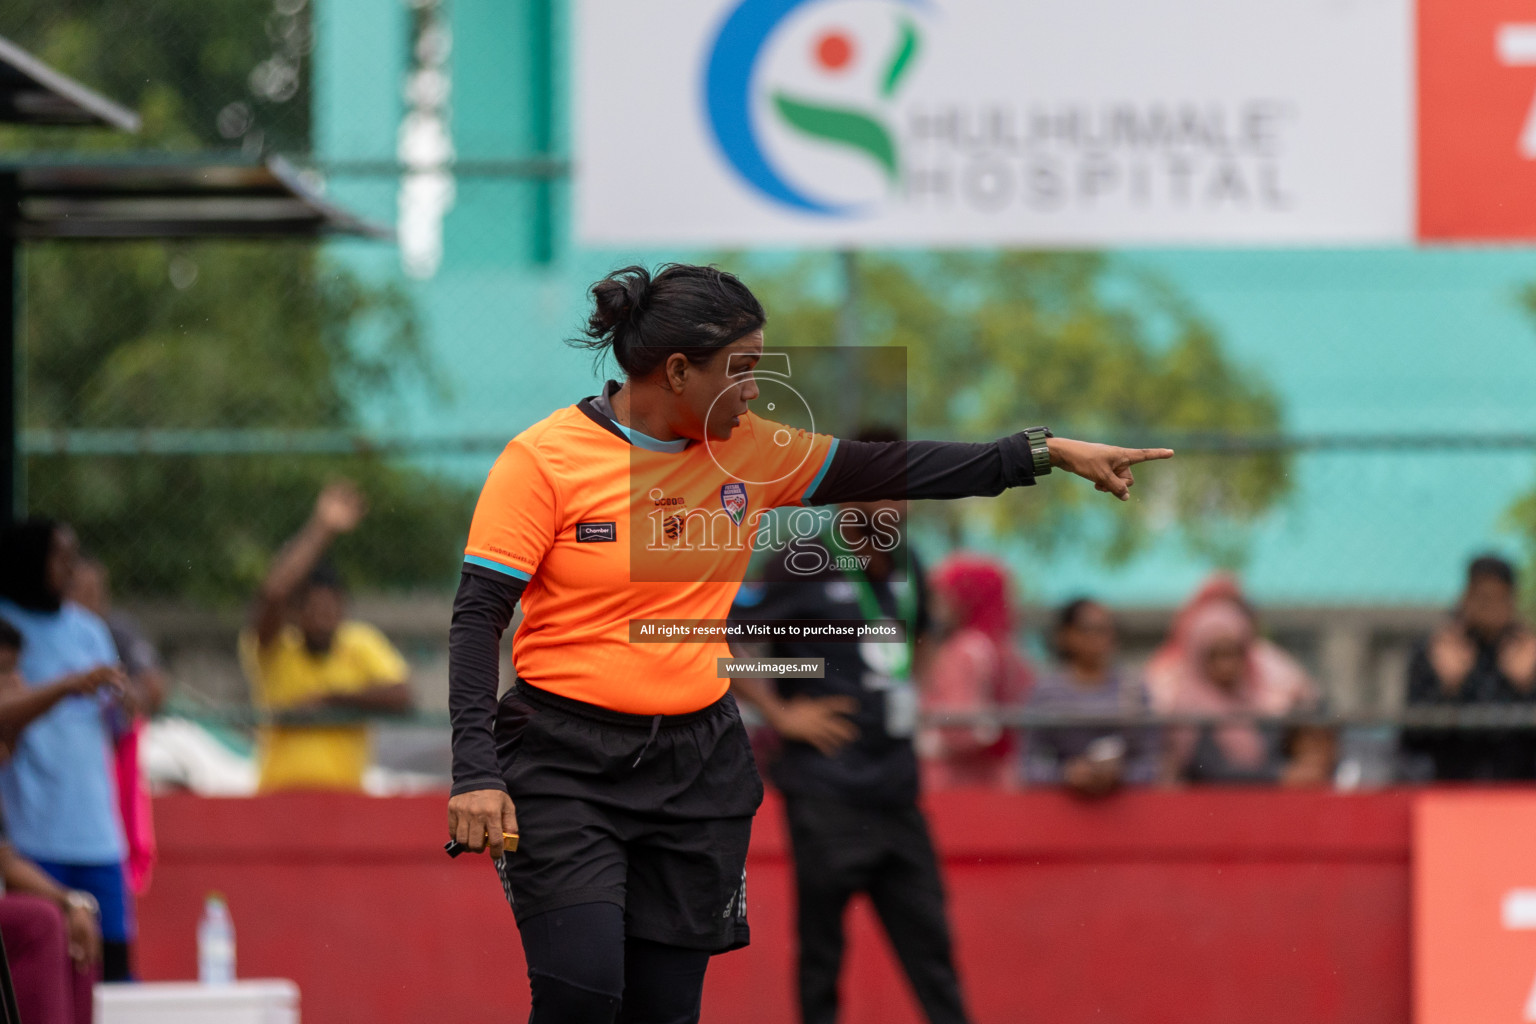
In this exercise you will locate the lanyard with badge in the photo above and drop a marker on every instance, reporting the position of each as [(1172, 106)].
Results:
[(888, 665)]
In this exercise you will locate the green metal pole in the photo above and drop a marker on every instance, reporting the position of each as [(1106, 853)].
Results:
[(849, 334), (10, 456), (541, 66)]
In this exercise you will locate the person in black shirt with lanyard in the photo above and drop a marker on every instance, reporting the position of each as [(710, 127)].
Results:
[(847, 769)]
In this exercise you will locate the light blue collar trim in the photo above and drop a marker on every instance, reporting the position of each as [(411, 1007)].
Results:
[(639, 440), (648, 442)]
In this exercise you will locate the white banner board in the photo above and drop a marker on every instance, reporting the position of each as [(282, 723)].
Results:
[(1005, 122)]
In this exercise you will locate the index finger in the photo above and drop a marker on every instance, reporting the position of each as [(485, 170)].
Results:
[(1148, 454)]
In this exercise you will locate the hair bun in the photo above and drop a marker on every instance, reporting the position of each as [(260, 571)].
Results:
[(641, 320), (617, 299)]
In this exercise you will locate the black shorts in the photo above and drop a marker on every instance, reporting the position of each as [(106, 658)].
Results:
[(651, 813)]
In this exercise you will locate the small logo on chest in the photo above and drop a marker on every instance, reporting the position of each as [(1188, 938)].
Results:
[(595, 533), (733, 498)]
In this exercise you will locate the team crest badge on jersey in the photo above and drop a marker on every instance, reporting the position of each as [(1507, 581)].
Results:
[(733, 498)]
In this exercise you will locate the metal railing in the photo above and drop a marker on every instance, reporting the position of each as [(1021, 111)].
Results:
[(1447, 719), (129, 442)]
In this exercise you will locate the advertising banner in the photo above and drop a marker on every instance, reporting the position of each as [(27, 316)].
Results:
[(1474, 908), (1477, 119), (1030, 123)]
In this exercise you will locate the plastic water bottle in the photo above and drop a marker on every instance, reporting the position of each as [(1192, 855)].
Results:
[(215, 943)]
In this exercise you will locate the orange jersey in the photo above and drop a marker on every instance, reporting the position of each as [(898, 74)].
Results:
[(606, 530)]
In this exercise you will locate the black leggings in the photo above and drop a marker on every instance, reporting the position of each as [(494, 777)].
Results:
[(583, 970), (116, 961)]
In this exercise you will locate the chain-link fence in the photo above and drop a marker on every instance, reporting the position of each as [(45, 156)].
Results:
[(183, 403), (1357, 650)]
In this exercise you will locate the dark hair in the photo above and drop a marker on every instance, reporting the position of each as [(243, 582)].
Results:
[(643, 319), (1490, 567), (1068, 614), (324, 576), (1066, 617), (24, 549), (10, 637)]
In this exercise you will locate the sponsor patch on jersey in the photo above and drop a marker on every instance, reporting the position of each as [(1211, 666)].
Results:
[(733, 498), (591, 533)]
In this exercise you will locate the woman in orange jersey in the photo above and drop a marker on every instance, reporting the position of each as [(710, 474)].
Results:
[(622, 763)]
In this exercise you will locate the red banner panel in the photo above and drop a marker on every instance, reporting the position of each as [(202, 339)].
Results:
[(1474, 908), (1477, 120), (1195, 907)]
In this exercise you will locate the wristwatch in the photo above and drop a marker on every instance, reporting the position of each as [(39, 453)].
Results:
[(79, 899), (1039, 450)]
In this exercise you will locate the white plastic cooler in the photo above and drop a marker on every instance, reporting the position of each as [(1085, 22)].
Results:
[(264, 1001)]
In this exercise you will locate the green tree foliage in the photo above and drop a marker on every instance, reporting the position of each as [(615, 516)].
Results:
[(211, 336), (227, 74), (257, 337), (997, 342), (1521, 515)]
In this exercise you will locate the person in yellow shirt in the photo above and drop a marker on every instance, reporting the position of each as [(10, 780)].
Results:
[(305, 659)]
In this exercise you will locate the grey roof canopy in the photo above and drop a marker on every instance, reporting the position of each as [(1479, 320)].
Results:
[(146, 196), (162, 197), (31, 92)]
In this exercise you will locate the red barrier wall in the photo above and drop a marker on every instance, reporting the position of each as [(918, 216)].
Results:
[(1206, 907)]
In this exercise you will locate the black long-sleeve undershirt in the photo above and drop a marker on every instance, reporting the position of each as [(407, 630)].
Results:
[(870, 470), (859, 471), (482, 610)]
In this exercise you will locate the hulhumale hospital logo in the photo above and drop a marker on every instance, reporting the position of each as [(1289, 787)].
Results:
[(735, 87)]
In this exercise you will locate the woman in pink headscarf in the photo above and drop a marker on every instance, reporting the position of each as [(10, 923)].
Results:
[(976, 668), (1216, 663)]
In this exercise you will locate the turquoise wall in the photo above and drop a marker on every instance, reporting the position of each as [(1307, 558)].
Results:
[(1364, 343), (1356, 342)]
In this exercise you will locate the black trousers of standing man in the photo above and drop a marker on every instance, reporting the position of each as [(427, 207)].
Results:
[(841, 849)]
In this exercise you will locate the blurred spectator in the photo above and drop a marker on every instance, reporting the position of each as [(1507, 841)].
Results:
[(1483, 655), (21, 705), (63, 711), (847, 768), (976, 669), (305, 658), (1089, 759), (91, 587), (1215, 663), (52, 941)]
